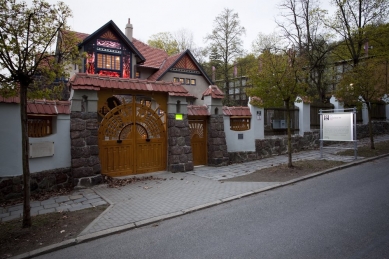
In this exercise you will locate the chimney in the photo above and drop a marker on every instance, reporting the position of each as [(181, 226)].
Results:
[(213, 74), (128, 30)]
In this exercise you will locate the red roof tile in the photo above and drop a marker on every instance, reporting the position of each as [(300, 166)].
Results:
[(154, 57), (9, 99), (165, 66), (237, 111), (198, 110), (41, 107), (97, 82), (214, 92)]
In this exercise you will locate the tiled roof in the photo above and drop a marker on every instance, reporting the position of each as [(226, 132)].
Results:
[(15, 99), (198, 110), (97, 82), (168, 62), (237, 111), (41, 107), (214, 92), (154, 57), (81, 35), (44, 107)]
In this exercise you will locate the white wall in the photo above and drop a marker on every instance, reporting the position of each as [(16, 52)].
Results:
[(256, 131), (11, 143), (10, 140), (304, 116), (62, 146)]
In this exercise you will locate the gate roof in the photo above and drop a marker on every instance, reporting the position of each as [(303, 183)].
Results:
[(82, 81)]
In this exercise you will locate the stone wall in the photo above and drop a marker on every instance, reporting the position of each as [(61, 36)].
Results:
[(180, 156), (85, 166), (379, 127), (311, 140), (12, 187), (217, 146)]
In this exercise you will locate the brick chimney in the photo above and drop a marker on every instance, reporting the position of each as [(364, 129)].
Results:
[(129, 30)]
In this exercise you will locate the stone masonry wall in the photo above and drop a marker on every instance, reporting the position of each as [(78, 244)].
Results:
[(180, 156), (217, 146), (12, 187), (379, 127), (311, 140), (85, 164)]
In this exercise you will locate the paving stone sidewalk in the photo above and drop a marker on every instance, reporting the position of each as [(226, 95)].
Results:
[(142, 202), (78, 200)]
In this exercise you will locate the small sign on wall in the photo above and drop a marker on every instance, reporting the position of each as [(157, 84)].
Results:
[(41, 149), (179, 117)]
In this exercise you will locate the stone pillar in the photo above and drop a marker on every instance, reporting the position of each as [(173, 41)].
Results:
[(217, 146), (85, 163), (180, 156)]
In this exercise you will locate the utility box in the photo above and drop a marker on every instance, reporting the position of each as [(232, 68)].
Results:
[(279, 124)]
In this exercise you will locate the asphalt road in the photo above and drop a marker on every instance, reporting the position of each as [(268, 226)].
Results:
[(344, 214)]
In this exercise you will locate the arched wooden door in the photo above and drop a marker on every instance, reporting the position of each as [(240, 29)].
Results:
[(132, 139), (198, 134)]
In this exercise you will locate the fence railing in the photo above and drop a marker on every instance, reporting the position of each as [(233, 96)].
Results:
[(314, 113), (275, 121), (378, 111)]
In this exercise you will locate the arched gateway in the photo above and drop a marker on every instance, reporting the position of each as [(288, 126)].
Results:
[(132, 136)]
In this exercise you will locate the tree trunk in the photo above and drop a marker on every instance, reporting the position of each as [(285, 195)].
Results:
[(25, 157), (368, 104), (290, 165)]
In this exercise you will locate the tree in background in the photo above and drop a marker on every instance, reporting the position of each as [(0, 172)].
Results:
[(351, 21), (26, 64), (226, 44), (164, 41), (359, 22), (302, 25), (177, 42), (279, 80), (367, 82)]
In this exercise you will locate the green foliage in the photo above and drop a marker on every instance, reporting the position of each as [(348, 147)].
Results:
[(164, 41), (364, 83), (280, 79)]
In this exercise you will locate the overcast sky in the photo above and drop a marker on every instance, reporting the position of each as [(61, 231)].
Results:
[(149, 17)]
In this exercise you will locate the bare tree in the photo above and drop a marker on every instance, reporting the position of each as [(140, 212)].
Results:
[(351, 20), (26, 35), (302, 24), (226, 40)]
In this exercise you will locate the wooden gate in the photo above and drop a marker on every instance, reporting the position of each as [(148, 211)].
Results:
[(198, 135), (132, 139)]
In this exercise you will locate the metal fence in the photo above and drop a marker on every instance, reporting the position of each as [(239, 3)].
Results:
[(314, 113), (275, 121)]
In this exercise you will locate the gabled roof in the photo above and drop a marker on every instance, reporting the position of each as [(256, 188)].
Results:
[(214, 92), (172, 61), (239, 111), (198, 110), (97, 82), (154, 57), (112, 26)]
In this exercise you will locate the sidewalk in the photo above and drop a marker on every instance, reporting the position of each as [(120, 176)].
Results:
[(142, 203)]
